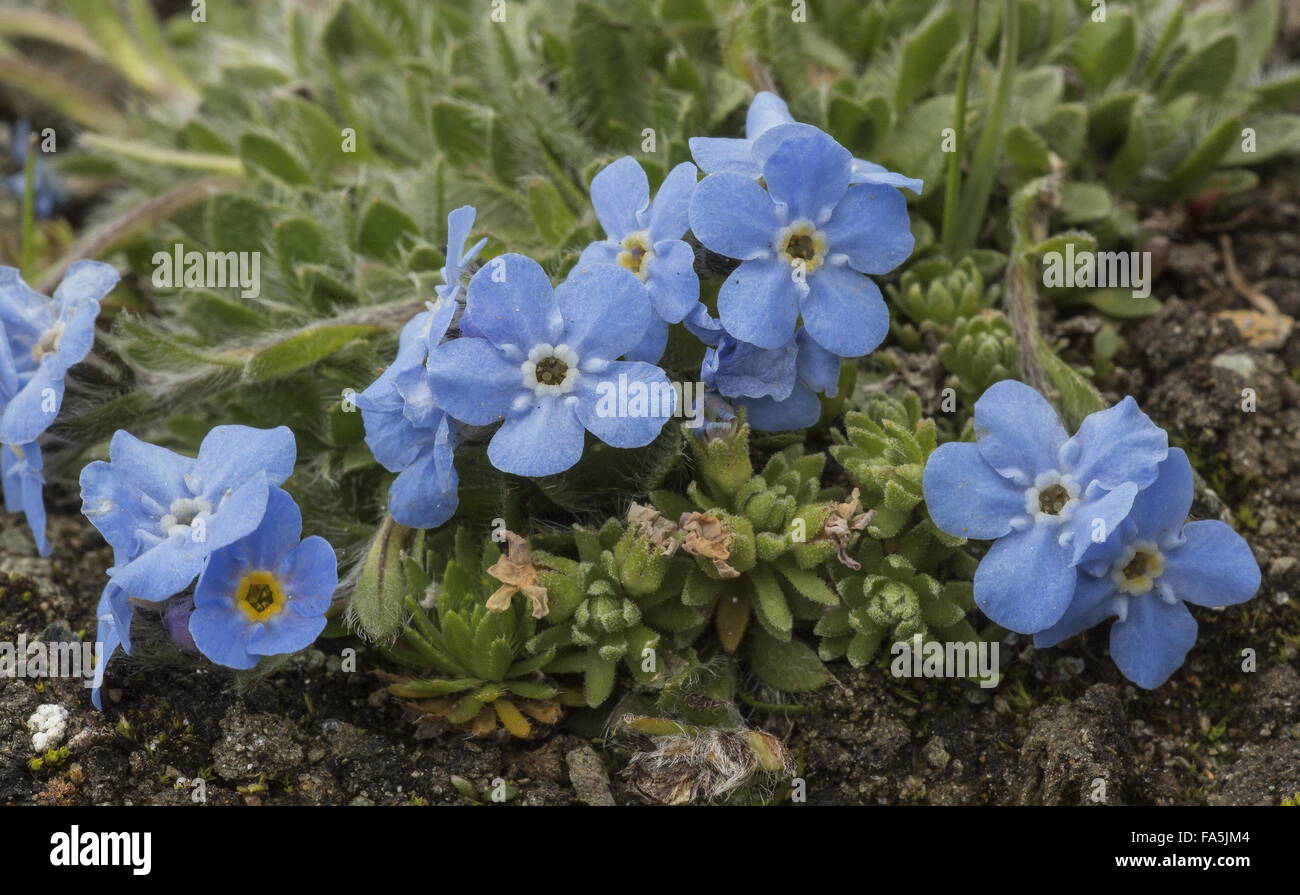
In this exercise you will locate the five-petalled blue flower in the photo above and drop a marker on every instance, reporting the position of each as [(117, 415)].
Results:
[(646, 238), (1045, 498), (768, 124), (265, 594), (805, 244), (405, 429), (541, 360), (164, 513), (1146, 573)]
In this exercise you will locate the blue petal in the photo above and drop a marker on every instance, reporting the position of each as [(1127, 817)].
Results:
[(23, 485), (459, 224), (627, 404), (1118, 444), (286, 633), (620, 194), (844, 311), (1100, 511), (759, 303), (511, 303), (545, 439), (738, 369), (602, 251), (1160, 509), (113, 494), (799, 411), (1093, 603), (966, 497), (869, 172), (1152, 641), (77, 337), (277, 534), (766, 111), (718, 154), (651, 347), (222, 575), (148, 469), (232, 455), (1017, 431), (670, 276), (772, 139), (819, 368), (669, 214), (870, 226), (734, 216), (1214, 566), (237, 514), (703, 326), (85, 281), (424, 495), (606, 310), (24, 312), (1025, 582), (163, 570), (109, 635), (311, 576), (392, 438), (34, 408), (473, 381), (221, 633), (809, 175)]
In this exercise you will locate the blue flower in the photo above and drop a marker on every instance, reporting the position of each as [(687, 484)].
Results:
[(1046, 499), (1148, 571), (768, 124), (778, 387), (405, 429), (40, 339), (646, 238), (543, 363), (265, 594), (21, 471), (804, 244), (163, 513), (49, 189)]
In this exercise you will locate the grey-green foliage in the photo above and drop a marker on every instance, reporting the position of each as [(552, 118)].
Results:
[(931, 297), (883, 452), (468, 662), (611, 606), (917, 584), (978, 352)]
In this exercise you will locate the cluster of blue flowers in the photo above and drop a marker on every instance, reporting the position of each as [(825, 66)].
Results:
[(170, 519), (1085, 528), (220, 518), (40, 339), (540, 361)]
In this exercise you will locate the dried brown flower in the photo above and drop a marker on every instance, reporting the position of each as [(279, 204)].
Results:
[(706, 536), (516, 572)]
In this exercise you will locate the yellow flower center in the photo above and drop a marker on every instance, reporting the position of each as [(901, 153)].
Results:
[(260, 596), (48, 343), (1138, 568), (802, 245), (636, 252)]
